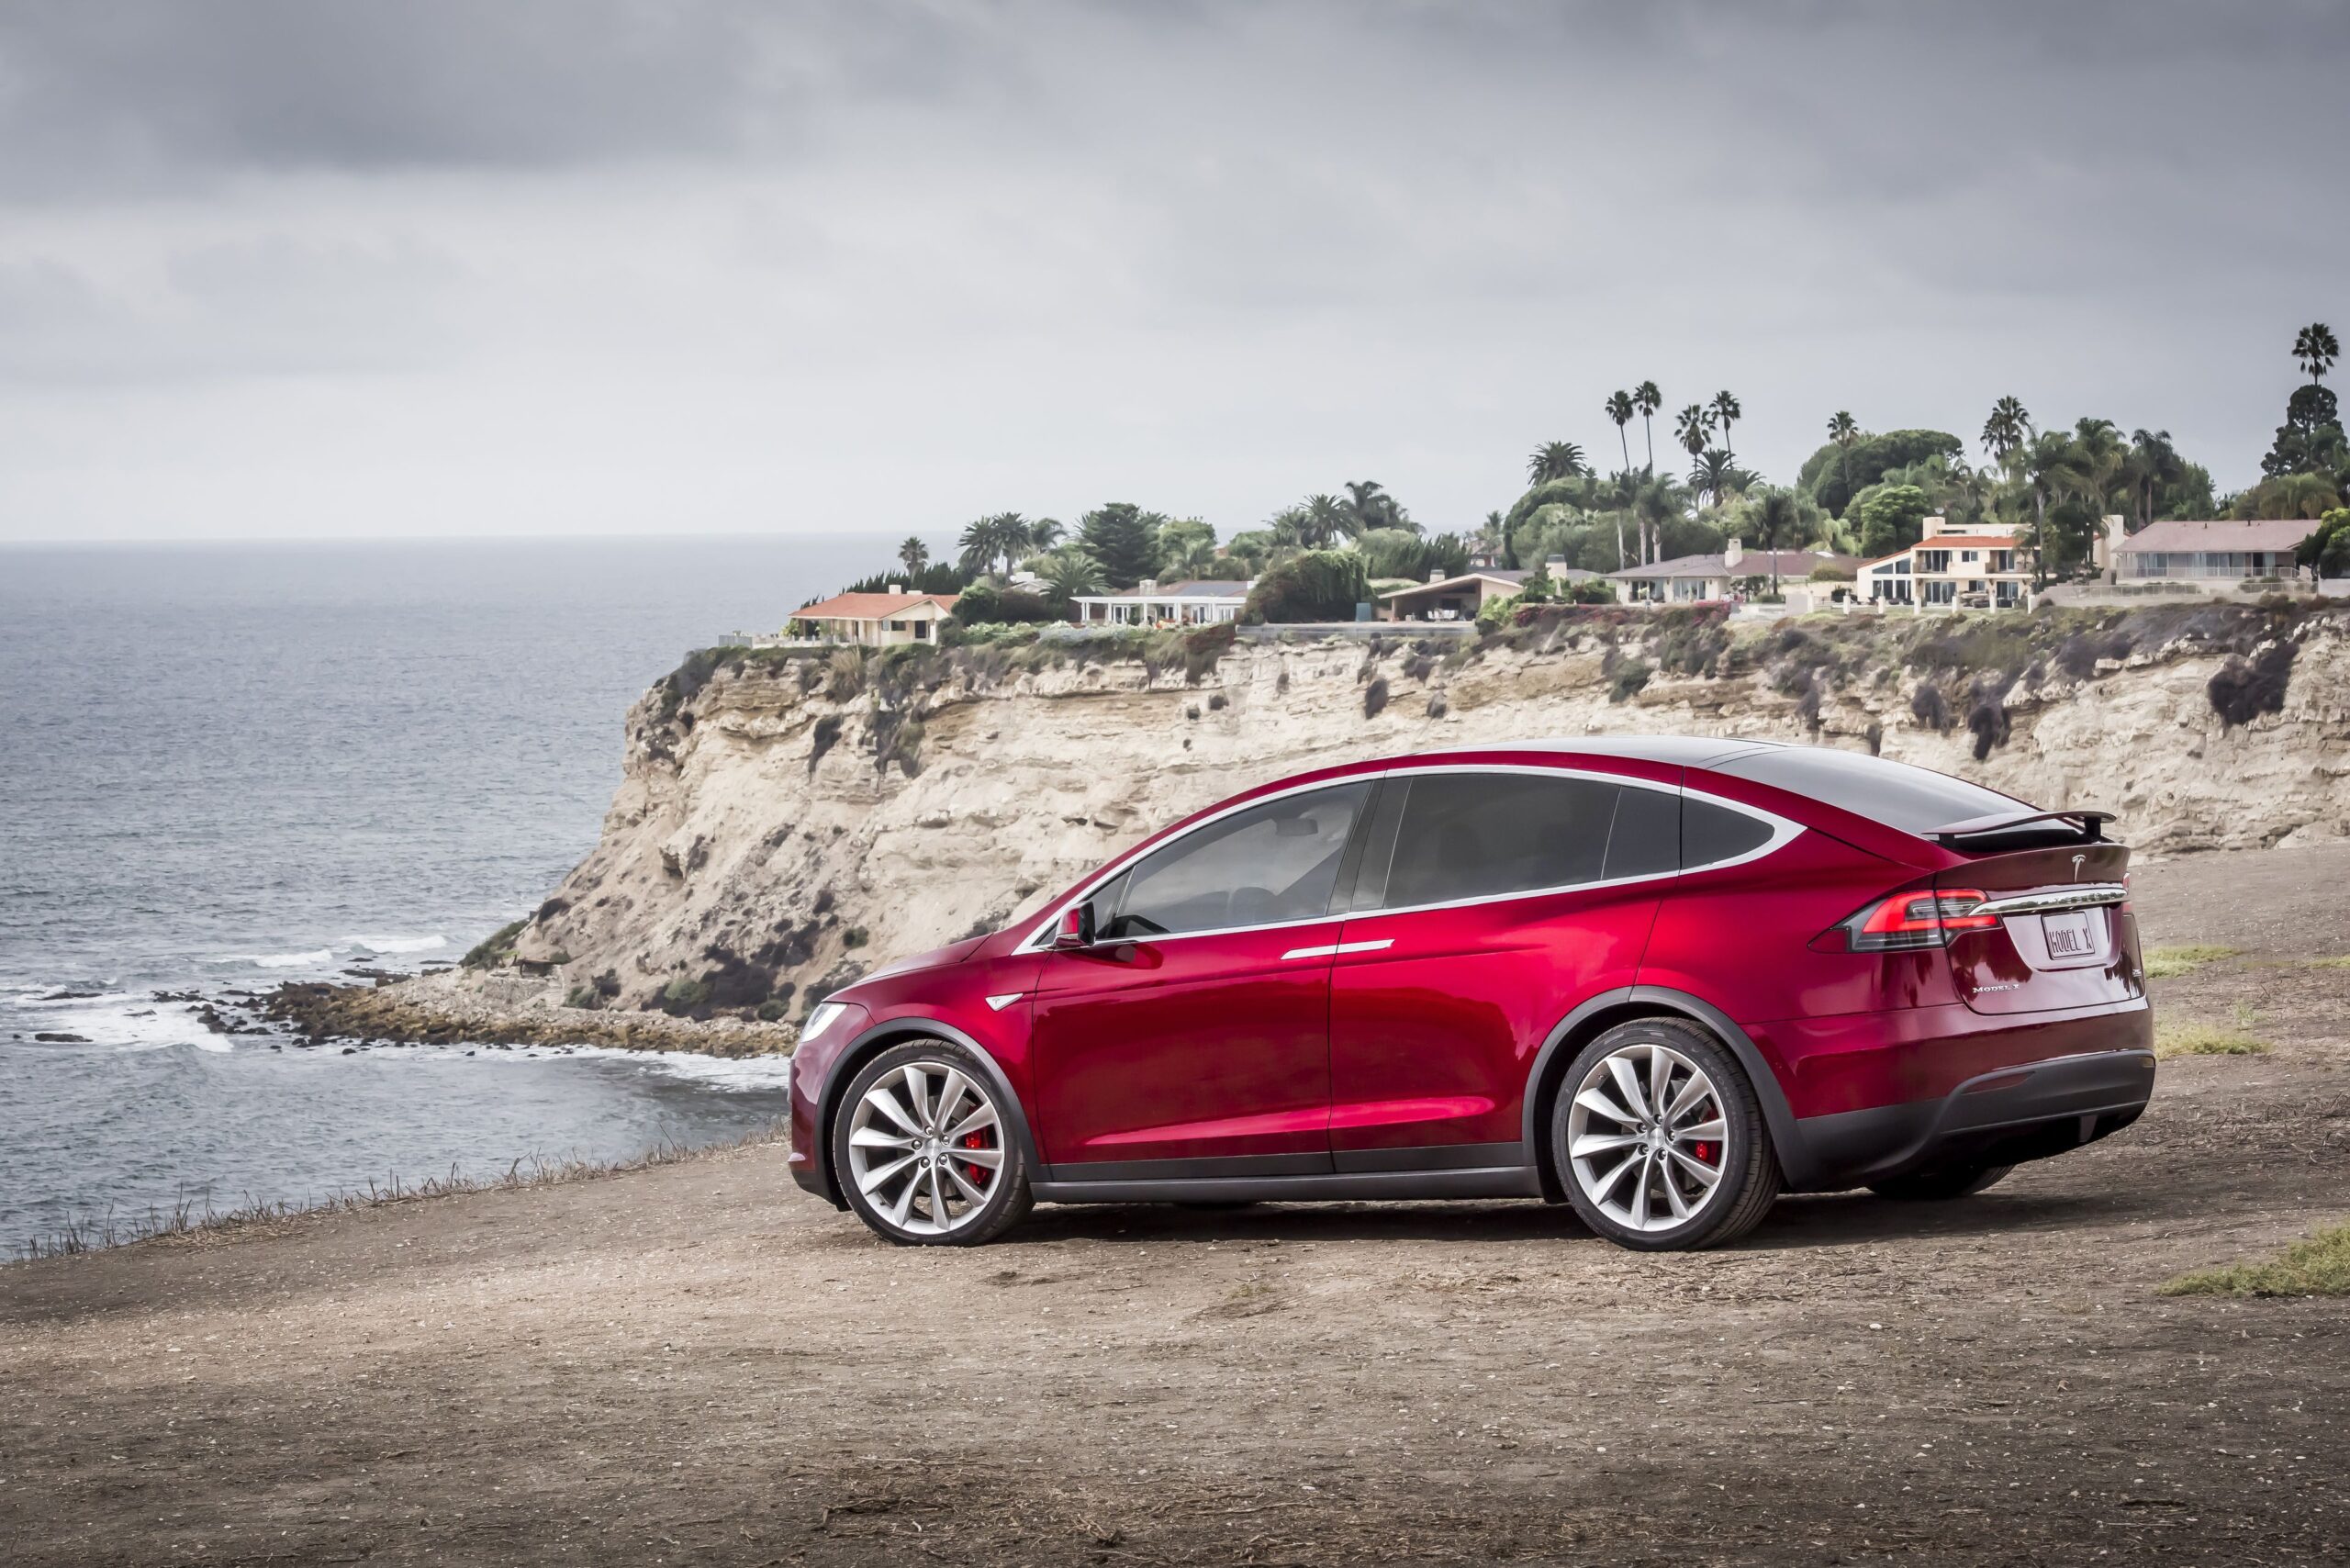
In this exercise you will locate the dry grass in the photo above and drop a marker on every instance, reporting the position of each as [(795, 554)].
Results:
[(2317, 1265), (2169, 963), (2190, 1038), (186, 1220), (2340, 963)]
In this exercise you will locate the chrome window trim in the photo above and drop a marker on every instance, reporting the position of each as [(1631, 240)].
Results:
[(2089, 895), (1783, 833)]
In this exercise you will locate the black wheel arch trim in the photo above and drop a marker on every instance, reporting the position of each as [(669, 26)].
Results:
[(880, 1038), (1787, 1139)]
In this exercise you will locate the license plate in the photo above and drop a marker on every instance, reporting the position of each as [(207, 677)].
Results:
[(2069, 936)]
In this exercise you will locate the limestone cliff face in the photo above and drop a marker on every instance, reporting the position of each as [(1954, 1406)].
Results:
[(788, 821)]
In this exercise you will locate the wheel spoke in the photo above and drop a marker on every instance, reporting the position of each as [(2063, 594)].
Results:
[(1679, 1205), (1641, 1190), (1693, 1093), (873, 1180), (938, 1218), (917, 1081), (991, 1158), (1705, 1132), (1613, 1179), (1627, 1084), (1660, 1078), (882, 1100), (1596, 1100), (875, 1137), (977, 1121), (1706, 1174), (950, 1098), (970, 1193), (1590, 1144), (905, 1205)]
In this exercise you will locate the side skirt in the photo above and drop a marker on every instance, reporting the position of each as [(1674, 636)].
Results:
[(1360, 1186)]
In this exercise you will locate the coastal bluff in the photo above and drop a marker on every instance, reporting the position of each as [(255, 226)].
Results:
[(791, 818)]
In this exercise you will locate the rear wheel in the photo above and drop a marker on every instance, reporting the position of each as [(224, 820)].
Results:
[(1958, 1181), (924, 1151), (1660, 1141)]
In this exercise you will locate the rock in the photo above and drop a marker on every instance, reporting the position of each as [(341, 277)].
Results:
[(57, 1037)]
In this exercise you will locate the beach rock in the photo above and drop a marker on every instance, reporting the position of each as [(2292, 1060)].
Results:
[(56, 1037)]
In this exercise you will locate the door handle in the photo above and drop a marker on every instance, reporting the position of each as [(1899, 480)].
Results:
[(1333, 949)]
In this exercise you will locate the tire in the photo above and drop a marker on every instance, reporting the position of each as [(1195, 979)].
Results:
[(1938, 1186), (1625, 1170), (894, 1161)]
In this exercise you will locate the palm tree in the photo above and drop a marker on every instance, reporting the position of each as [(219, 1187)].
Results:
[(983, 544), (914, 554), (1713, 476), (1324, 519), (1045, 532), (2051, 462), (1692, 428), (1070, 571), (1725, 412), (1648, 401), (2006, 427), (1554, 460), (2103, 457), (1845, 432), (2315, 349), (2154, 462), (1620, 409), (1368, 506), (1776, 515)]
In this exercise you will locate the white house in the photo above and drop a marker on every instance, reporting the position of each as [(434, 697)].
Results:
[(1976, 566), (1693, 579), (878, 619), (1150, 603)]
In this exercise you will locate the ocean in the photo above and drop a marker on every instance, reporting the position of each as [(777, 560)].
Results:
[(222, 767)]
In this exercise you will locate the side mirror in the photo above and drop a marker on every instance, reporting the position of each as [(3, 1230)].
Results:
[(1076, 928)]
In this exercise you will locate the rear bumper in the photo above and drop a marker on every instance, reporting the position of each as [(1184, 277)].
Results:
[(2007, 1115)]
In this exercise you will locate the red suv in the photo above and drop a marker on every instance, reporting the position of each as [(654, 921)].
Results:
[(1661, 979)]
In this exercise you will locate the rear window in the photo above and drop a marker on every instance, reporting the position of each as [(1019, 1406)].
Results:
[(1915, 799)]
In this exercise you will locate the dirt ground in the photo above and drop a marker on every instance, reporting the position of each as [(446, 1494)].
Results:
[(697, 1365)]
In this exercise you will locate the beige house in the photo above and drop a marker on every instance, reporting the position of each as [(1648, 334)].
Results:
[(1459, 598), (876, 619), (1954, 566), (2211, 554), (1697, 580)]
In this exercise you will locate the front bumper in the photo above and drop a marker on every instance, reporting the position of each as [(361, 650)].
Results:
[(2030, 1111)]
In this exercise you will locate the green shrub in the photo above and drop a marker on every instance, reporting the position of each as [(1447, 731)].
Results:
[(772, 1012), (681, 996), (855, 936), (495, 950), (1316, 585), (1630, 676)]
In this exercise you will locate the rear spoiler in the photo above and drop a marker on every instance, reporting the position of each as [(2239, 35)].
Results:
[(2090, 825)]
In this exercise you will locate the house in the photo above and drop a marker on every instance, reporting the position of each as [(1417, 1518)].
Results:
[(1688, 580), (877, 620), (1952, 566), (1459, 598), (1150, 603), (2211, 554)]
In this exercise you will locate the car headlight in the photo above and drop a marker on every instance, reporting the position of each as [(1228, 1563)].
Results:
[(821, 1018)]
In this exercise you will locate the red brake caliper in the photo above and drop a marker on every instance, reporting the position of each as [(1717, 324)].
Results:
[(976, 1172)]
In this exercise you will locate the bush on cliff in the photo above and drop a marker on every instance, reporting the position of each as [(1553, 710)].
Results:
[(495, 950), (1316, 584)]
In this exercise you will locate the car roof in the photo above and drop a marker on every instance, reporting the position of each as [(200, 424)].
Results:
[(1677, 751)]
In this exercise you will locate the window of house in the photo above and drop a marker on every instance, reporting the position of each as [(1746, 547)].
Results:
[(1267, 864)]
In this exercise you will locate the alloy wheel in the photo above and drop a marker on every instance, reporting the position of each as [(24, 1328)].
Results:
[(925, 1147), (1646, 1138)]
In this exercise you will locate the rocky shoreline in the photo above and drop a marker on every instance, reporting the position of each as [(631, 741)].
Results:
[(441, 1009)]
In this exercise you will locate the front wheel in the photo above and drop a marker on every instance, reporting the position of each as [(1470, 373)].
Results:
[(922, 1149), (1935, 1186), (1660, 1141)]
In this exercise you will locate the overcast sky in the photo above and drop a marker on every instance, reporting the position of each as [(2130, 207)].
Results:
[(315, 269)]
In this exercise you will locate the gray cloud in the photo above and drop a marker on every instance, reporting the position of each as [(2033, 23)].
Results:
[(625, 263)]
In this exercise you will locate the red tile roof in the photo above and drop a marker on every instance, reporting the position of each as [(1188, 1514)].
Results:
[(873, 606)]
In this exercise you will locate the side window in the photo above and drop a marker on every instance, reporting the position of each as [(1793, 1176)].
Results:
[(1270, 863), (1645, 839), (1711, 834), (1467, 836)]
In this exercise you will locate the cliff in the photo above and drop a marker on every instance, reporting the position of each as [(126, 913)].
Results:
[(789, 818)]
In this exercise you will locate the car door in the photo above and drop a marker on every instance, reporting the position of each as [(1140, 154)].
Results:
[(1195, 1030), (1489, 902)]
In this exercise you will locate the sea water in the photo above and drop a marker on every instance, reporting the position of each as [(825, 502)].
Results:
[(223, 766)]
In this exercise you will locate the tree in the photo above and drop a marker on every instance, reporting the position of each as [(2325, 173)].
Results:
[(1186, 545), (2100, 457), (1691, 428), (1554, 460), (1726, 413), (1068, 572), (2153, 466), (1124, 539), (1315, 521), (916, 555), (1318, 585), (1833, 474), (1713, 476), (1843, 435), (2288, 496), (1368, 506), (1044, 533), (2051, 464), (1002, 536), (1648, 401), (1619, 410), (1891, 518), (2326, 552), (1777, 516), (2315, 350), (2006, 427)]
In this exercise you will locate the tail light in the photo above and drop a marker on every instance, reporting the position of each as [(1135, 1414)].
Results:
[(1923, 917)]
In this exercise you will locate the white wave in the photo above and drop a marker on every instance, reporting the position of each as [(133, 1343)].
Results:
[(712, 1072), (397, 944), (278, 960)]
